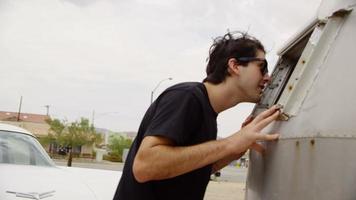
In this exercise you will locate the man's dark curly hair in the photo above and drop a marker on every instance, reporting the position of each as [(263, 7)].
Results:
[(231, 45)]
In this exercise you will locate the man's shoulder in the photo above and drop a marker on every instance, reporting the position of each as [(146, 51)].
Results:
[(196, 89), (186, 91), (186, 86)]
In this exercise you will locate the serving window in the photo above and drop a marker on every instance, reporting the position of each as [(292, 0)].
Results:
[(299, 65)]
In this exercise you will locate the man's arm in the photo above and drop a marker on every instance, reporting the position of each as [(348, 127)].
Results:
[(158, 159), (225, 161)]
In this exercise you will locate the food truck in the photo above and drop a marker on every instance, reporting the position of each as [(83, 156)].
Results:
[(314, 81)]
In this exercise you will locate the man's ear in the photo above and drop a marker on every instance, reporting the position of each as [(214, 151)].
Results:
[(232, 66)]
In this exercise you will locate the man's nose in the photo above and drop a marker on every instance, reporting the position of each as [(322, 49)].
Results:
[(267, 78)]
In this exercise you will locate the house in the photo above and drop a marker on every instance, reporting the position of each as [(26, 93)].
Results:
[(34, 123)]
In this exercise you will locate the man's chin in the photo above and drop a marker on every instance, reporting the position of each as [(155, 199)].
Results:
[(255, 100), (258, 98)]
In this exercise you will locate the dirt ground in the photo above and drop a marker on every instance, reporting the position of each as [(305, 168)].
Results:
[(225, 191)]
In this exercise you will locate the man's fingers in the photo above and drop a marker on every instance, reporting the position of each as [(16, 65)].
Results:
[(266, 113), (263, 123), (267, 137), (257, 147), (247, 121)]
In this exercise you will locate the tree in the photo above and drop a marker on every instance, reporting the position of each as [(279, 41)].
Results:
[(72, 134), (117, 144), (55, 131)]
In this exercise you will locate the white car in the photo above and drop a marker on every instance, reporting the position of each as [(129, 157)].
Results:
[(27, 172)]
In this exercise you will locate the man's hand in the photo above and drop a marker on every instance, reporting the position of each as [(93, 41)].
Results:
[(251, 131), (248, 135), (255, 146), (247, 121)]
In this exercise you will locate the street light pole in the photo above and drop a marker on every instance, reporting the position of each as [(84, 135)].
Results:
[(152, 92)]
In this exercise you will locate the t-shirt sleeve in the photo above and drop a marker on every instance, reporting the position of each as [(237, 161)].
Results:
[(175, 116)]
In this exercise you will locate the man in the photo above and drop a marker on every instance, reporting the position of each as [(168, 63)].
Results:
[(176, 149)]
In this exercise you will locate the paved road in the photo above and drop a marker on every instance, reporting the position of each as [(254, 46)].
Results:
[(92, 164), (233, 174), (230, 186), (228, 174)]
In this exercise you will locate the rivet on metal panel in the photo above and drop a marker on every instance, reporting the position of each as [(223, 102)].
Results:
[(290, 87), (312, 142)]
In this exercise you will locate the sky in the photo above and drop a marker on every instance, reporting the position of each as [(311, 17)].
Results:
[(106, 56)]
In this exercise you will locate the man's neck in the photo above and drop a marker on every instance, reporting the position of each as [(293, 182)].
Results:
[(221, 96)]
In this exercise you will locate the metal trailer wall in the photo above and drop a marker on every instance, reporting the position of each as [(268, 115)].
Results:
[(315, 81)]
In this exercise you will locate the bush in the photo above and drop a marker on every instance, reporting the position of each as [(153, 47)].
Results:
[(117, 144), (113, 157)]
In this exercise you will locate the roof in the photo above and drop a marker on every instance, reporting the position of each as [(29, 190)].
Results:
[(24, 117), (7, 127)]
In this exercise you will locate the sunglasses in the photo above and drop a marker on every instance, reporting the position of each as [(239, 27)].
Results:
[(263, 68)]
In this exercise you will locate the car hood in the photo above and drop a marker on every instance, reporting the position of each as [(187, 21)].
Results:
[(35, 179)]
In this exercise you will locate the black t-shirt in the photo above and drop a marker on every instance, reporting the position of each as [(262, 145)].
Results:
[(183, 114)]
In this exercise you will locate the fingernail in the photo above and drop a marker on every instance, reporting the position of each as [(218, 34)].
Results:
[(278, 106)]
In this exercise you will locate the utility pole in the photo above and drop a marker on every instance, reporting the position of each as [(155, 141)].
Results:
[(18, 114), (47, 107), (92, 118)]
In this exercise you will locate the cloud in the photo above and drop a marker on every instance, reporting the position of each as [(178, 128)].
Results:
[(85, 55)]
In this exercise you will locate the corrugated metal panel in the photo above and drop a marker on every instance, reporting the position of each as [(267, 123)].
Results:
[(308, 169), (315, 157)]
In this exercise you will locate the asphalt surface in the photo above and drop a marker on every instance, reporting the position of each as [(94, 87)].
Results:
[(228, 174), (229, 186)]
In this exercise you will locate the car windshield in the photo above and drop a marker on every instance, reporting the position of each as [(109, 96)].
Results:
[(22, 149)]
